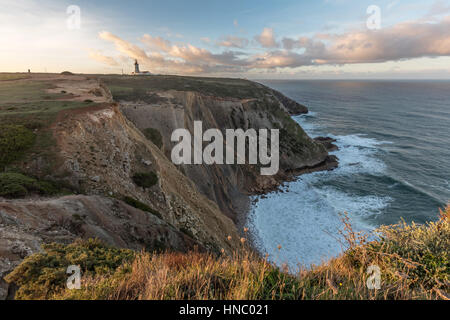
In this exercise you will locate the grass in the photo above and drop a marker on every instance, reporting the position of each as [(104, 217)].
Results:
[(13, 76), (27, 109), (42, 275), (130, 88), (293, 140), (413, 260), (25, 91), (14, 141)]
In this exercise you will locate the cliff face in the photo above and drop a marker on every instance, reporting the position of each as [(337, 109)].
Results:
[(257, 107), (102, 151)]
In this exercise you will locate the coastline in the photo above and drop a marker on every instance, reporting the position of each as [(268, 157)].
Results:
[(244, 204)]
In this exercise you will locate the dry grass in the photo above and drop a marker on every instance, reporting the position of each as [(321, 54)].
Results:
[(413, 260), (193, 276)]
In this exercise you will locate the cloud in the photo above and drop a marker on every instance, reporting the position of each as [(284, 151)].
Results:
[(392, 4), (98, 56), (124, 47), (167, 57), (156, 43), (267, 39), (438, 8), (206, 40), (403, 41), (233, 42)]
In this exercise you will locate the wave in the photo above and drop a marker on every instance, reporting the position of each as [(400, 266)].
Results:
[(305, 219)]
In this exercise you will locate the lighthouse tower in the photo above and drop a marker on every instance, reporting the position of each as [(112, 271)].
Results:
[(136, 67)]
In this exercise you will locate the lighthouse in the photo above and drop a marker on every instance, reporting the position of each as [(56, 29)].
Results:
[(136, 67), (138, 72)]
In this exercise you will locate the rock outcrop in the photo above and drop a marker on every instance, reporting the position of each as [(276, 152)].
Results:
[(328, 143)]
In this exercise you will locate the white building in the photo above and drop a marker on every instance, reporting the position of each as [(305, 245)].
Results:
[(137, 72)]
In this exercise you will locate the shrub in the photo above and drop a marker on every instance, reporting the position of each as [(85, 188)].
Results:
[(42, 275), (154, 136), (145, 180), (413, 260), (142, 206), (16, 185), (14, 140)]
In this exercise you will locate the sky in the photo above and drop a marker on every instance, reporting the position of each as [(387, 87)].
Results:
[(279, 39)]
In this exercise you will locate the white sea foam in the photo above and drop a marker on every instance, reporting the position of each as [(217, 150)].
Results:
[(357, 153), (306, 219)]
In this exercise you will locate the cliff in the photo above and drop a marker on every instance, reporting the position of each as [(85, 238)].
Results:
[(106, 141), (164, 103)]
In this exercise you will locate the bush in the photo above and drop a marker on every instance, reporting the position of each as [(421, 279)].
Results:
[(142, 206), (16, 185), (154, 136), (14, 140), (145, 180), (413, 260), (42, 275)]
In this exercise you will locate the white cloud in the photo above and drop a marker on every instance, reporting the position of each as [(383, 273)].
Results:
[(100, 57), (233, 42), (267, 39), (403, 41)]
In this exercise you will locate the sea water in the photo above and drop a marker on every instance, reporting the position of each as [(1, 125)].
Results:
[(394, 163)]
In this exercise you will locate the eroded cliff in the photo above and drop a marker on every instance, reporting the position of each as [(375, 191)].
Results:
[(152, 104), (112, 151)]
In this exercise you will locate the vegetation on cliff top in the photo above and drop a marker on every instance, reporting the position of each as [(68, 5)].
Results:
[(27, 110), (131, 88), (413, 260), (14, 141)]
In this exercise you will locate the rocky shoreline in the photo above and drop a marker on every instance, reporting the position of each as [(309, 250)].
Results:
[(244, 206)]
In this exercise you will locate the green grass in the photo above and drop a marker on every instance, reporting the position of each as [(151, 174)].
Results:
[(26, 107), (14, 141), (135, 88), (13, 76), (24, 91)]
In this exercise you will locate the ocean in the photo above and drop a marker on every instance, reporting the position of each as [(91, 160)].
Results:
[(394, 154)]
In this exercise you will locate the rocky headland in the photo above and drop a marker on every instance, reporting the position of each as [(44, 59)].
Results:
[(103, 142)]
